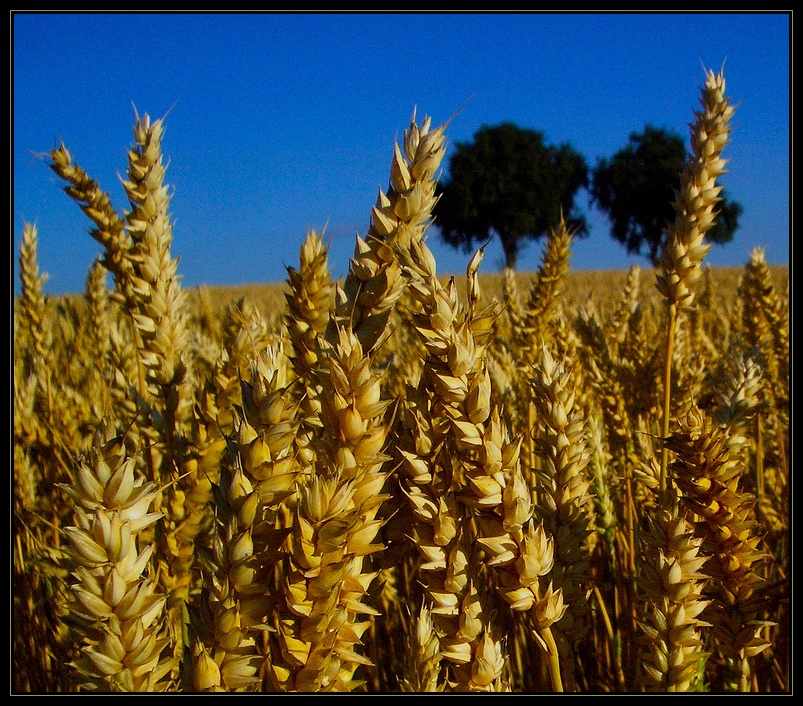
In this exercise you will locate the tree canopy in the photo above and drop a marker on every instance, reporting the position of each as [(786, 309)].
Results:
[(508, 183), (636, 189)]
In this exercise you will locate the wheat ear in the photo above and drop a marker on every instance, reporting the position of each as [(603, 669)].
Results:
[(673, 655), (309, 301), (109, 228), (564, 490), (117, 608), (374, 282), (452, 465), (708, 479), (695, 213), (765, 325), (334, 529), (31, 328)]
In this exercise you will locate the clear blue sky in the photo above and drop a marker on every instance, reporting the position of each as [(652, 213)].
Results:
[(283, 123)]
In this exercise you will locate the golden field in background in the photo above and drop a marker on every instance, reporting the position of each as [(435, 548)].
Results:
[(602, 287)]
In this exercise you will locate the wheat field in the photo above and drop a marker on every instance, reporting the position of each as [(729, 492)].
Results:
[(401, 482)]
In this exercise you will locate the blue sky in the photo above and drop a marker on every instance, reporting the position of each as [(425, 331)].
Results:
[(283, 123)]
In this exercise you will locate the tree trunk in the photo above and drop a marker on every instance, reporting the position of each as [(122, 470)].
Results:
[(510, 246)]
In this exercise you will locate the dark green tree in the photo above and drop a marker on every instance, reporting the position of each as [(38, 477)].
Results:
[(636, 190), (510, 184)]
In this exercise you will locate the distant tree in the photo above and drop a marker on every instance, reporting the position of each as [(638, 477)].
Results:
[(508, 183), (636, 189)]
